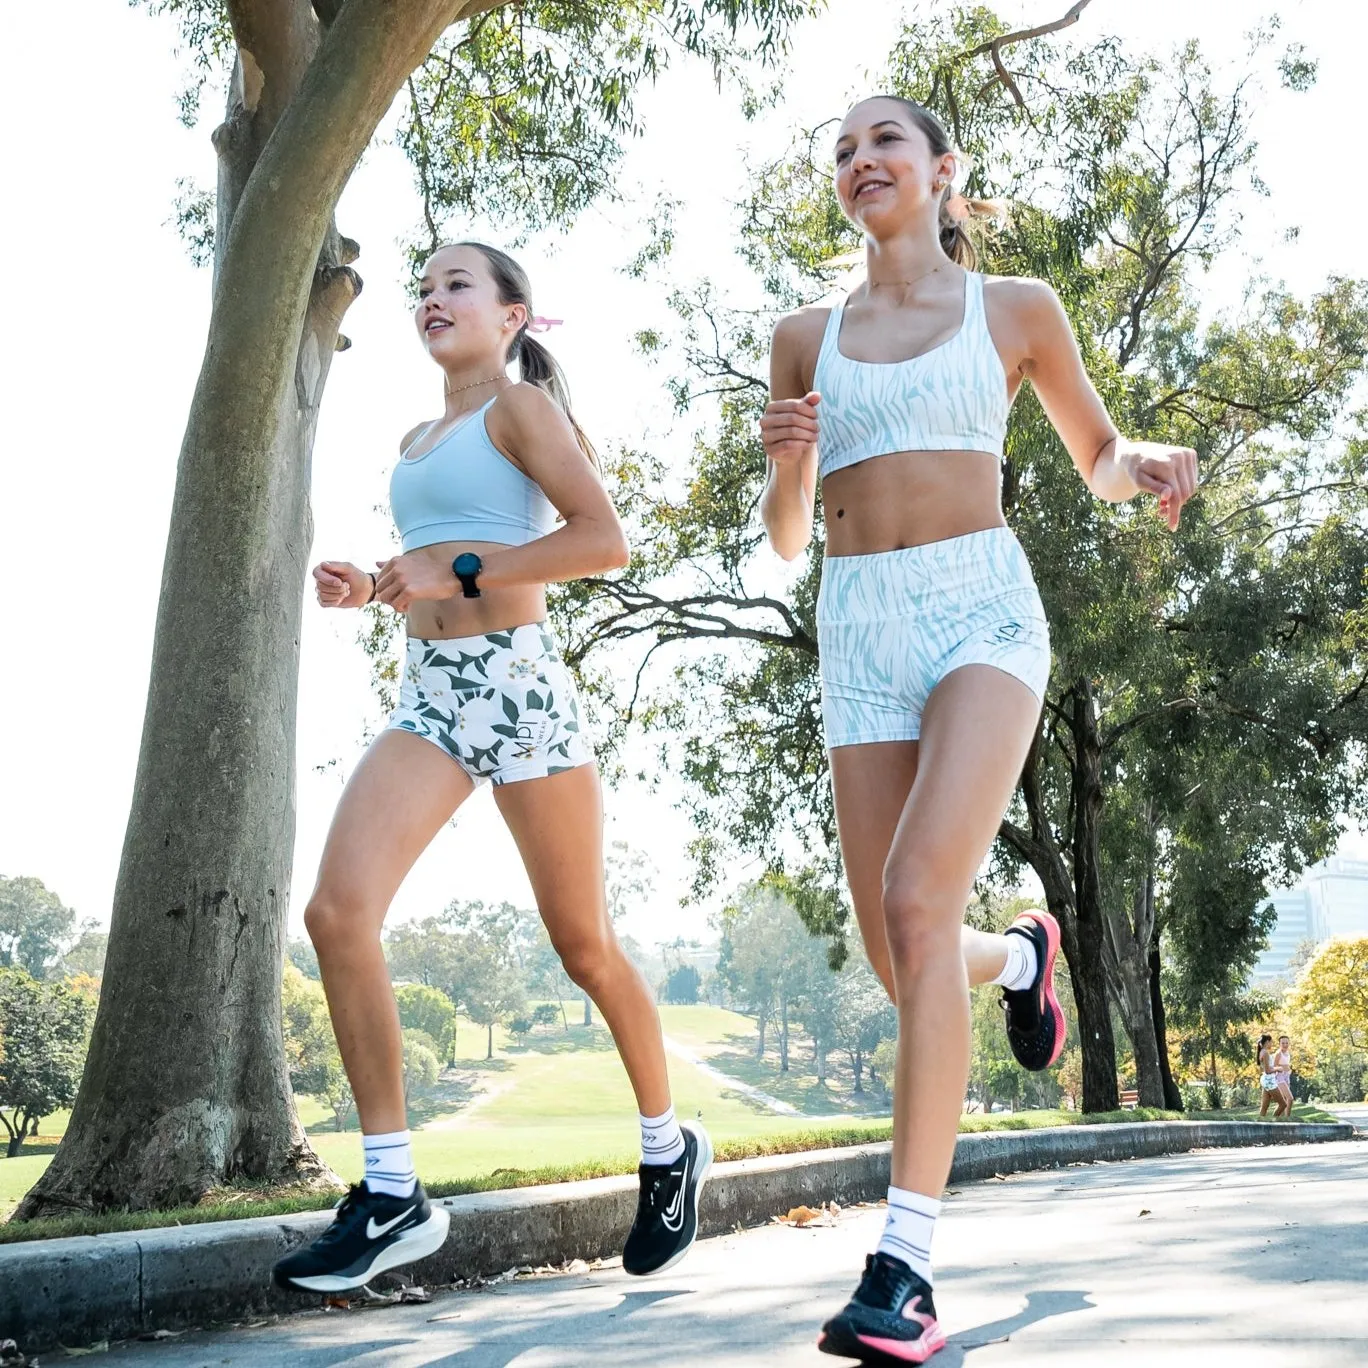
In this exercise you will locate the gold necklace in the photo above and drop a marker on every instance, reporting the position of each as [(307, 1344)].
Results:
[(474, 384), (878, 284)]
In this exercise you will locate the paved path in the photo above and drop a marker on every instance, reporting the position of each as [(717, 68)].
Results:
[(1249, 1257), (774, 1104), (1355, 1113)]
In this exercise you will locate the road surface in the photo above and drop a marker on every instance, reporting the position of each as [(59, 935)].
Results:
[(1252, 1257)]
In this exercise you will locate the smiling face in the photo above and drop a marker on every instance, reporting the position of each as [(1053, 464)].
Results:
[(887, 168), (459, 317)]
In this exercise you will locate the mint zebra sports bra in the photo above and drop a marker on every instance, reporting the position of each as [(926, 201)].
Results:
[(951, 398)]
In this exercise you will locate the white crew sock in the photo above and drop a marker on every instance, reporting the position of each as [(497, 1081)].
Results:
[(1020, 970), (662, 1142), (389, 1164), (910, 1225)]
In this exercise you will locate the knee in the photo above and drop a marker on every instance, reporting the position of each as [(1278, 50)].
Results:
[(333, 925), (921, 924), (589, 960)]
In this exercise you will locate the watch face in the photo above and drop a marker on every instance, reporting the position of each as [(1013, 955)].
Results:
[(467, 563)]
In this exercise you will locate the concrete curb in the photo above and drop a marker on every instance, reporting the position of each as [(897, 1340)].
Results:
[(78, 1291)]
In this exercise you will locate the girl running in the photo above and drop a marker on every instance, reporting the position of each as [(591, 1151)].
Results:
[(934, 646), (477, 495)]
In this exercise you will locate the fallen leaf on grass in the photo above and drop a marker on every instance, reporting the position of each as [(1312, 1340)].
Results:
[(100, 1347), (337, 1303)]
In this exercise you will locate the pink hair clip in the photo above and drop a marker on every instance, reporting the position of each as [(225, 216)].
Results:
[(538, 324)]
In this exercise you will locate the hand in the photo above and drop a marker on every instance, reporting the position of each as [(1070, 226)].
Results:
[(1169, 473), (789, 428), (406, 579), (340, 584)]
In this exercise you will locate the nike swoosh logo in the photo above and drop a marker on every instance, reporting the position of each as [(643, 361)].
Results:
[(374, 1232), (672, 1218)]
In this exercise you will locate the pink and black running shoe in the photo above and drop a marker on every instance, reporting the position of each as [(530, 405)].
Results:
[(890, 1319), (1035, 1020)]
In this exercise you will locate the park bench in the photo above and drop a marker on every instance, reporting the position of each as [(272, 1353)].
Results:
[(1130, 1099)]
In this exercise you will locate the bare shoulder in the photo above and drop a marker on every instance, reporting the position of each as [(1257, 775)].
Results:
[(795, 348), (800, 332), (522, 406), (1020, 297)]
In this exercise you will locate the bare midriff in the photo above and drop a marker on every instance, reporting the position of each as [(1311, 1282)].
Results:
[(910, 498), (495, 610)]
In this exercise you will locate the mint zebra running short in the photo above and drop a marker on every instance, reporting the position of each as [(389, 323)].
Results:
[(891, 626), (503, 705)]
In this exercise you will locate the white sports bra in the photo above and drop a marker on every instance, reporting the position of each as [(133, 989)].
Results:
[(951, 398)]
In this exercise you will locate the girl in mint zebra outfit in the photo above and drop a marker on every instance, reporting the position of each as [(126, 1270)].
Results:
[(934, 647), (493, 500)]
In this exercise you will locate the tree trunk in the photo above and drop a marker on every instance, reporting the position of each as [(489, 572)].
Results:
[(819, 1055), (760, 1044), (185, 1085), (857, 1067), (1087, 964), (489, 1052), (588, 1010), (1173, 1097), (1127, 947), (15, 1144), (783, 1033)]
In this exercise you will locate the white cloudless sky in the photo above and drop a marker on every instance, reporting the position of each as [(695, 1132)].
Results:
[(104, 326)]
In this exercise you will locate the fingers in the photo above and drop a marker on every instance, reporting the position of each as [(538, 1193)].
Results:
[(789, 427), (390, 587), (331, 589)]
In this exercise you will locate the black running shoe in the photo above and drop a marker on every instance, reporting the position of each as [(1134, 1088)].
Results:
[(666, 1222), (371, 1232), (1035, 1020), (890, 1319)]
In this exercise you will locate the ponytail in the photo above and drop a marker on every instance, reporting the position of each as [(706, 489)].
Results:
[(538, 367), (957, 237)]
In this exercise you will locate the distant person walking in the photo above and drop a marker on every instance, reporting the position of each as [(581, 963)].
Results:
[(1268, 1080), (1282, 1071), (494, 499)]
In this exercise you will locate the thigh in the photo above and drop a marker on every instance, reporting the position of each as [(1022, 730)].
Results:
[(557, 824), (871, 784), (397, 799), (976, 731)]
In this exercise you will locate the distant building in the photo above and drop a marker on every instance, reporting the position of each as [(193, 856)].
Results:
[(1331, 900)]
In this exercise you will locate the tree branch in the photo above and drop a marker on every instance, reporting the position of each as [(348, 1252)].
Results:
[(995, 45)]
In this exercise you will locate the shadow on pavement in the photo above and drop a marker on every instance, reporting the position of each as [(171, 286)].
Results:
[(1039, 1306)]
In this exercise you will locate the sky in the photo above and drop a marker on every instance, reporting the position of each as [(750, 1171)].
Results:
[(105, 325)]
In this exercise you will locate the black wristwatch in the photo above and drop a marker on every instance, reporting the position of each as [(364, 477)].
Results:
[(466, 567)]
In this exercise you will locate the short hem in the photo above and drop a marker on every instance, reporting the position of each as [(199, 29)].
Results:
[(875, 738), (1002, 667), (514, 773)]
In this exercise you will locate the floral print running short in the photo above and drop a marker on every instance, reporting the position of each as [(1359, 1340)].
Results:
[(502, 705)]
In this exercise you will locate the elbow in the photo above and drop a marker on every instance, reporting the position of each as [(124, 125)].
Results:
[(788, 547), (617, 554)]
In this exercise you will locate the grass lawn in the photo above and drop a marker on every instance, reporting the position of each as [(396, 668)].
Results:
[(727, 1040)]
